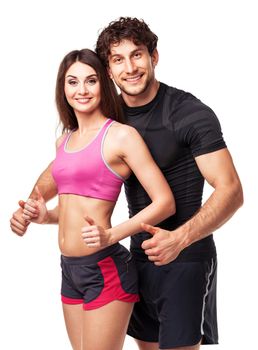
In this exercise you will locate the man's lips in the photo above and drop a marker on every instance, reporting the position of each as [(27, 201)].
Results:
[(134, 78)]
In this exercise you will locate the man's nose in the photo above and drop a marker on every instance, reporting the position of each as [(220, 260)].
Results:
[(129, 66)]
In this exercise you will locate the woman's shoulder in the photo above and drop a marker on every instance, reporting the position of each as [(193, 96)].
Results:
[(61, 139), (123, 130)]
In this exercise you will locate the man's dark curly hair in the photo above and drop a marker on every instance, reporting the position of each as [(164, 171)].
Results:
[(125, 28)]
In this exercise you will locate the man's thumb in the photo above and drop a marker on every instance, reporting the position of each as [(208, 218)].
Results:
[(89, 220), (148, 228)]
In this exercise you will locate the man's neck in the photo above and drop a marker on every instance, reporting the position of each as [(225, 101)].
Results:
[(143, 98)]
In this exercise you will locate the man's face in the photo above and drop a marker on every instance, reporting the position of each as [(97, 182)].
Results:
[(132, 67)]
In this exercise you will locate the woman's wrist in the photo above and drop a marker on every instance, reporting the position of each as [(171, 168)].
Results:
[(50, 217), (110, 237)]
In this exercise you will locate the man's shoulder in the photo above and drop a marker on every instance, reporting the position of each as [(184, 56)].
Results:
[(181, 101), (178, 96)]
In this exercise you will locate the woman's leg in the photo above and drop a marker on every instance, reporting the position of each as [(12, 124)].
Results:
[(105, 328), (73, 316)]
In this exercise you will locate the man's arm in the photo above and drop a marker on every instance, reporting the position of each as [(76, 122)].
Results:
[(48, 189), (219, 171)]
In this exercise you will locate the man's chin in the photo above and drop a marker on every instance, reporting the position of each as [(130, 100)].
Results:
[(133, 91)]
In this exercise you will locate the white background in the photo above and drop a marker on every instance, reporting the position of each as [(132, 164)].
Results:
[(207, 48)]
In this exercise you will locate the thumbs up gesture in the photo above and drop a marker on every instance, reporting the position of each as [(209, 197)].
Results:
[(95, 236), (35, 210), (164, 246)]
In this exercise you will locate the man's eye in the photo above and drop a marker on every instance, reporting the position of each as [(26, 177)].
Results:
[(117, 60)]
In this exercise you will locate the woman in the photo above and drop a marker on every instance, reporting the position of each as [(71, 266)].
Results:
[(95, 154)]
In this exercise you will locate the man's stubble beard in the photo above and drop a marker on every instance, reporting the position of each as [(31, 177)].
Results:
[(141, 91)]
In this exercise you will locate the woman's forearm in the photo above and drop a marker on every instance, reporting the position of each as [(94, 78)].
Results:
[(46, 185), (154, 213), (52, 217)]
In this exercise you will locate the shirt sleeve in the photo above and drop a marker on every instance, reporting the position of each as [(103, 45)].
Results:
[(198, 128)]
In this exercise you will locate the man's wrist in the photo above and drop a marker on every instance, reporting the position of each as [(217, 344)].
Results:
[(184, 237)]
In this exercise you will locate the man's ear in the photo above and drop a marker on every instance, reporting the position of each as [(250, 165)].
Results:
[(109, 73), (155, 57)]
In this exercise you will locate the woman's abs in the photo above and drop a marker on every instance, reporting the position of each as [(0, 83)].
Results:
[(72, 212)]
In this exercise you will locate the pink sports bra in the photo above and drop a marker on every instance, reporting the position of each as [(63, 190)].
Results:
[(85, 172)]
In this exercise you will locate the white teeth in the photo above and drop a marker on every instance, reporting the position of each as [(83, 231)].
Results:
[(134, 78), (83, 99)]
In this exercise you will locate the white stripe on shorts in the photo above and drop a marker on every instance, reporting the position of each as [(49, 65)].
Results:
[(205, 295)]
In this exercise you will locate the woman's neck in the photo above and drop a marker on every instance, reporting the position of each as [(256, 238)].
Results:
[(89, 122)]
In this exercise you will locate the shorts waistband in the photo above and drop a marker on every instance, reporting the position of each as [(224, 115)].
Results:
[(92, 258)]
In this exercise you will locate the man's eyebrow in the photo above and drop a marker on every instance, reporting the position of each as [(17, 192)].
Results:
[(131, 53), (114, 54)]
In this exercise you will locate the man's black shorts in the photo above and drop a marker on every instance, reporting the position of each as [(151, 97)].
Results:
[(177, 303)]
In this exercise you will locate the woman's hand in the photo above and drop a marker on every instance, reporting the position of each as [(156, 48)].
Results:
[(95, 236), (35, 210)]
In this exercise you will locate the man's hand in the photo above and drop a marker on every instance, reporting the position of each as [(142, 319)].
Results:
[(163, 247), (17, 223), (95, 236), (35, 210)]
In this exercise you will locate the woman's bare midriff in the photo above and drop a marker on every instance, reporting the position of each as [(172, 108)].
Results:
[(72, 210)]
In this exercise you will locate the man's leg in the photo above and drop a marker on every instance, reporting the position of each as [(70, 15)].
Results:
[(142, 345), (177, 307), (194, 347)]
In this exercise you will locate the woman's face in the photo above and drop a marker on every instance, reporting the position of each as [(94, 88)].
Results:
[(82, 88)]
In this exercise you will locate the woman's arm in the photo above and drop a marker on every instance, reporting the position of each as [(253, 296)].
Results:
[(134, 152), (45, 184), (35, 210), (47, 187)]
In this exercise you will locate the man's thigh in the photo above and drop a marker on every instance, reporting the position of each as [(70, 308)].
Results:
[(177, 305), (155, 346)]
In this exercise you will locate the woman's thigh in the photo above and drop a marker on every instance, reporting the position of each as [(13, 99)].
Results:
[(105, 328), (73, 316)]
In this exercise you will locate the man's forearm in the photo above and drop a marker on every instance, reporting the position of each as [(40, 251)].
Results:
[(217, 210)]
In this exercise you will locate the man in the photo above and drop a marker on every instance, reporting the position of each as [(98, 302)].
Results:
[(177, 264)]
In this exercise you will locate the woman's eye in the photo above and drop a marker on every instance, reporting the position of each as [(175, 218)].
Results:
[(72, 82), (92, 81)]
